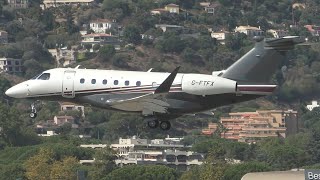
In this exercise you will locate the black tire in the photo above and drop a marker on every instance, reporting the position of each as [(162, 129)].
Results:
[(153, 124), (165, 125), (33, 115)]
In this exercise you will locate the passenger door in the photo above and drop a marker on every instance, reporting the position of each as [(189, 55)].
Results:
[(68, 84)]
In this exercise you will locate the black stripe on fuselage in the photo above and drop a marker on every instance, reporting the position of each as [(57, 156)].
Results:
[(133, 89)]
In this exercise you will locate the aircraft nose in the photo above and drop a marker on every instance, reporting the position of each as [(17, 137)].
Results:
[(17, 91)]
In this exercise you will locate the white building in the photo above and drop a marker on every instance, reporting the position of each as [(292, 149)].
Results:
[(165, 27), (56, 3), (101, 25), (278, 33), (48, 134), (11, 65), (3, 37), (249, 30), (157, 151), (314, 104), (220, 36)]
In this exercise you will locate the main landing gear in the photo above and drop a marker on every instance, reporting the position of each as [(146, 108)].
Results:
[(154, 123), (33, 113)]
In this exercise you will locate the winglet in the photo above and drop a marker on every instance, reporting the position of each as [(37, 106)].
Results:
[(166, 85)]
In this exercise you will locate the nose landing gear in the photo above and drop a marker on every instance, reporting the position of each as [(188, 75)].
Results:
[(33, 113)]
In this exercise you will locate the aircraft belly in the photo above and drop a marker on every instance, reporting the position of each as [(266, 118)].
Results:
[(132, 107), (172, 103)]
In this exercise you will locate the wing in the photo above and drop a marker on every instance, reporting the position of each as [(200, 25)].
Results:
[(151, 102)]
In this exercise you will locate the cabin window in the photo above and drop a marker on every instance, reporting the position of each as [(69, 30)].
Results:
[(44, 76), (138, 83), (115, 82), (104, 82), (126, 83), (93, 81), (81, 80)]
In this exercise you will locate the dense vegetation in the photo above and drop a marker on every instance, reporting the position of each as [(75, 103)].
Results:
[(33, 31)]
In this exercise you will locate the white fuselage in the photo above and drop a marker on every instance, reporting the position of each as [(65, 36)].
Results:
[(106, 87)]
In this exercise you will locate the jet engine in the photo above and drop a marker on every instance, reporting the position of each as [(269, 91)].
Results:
[(198, 84)]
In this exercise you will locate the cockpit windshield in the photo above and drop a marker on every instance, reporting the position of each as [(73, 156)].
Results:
[(35, 77), (44, 76)]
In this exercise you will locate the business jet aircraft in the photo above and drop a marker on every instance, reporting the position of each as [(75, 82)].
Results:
[(160, 97)]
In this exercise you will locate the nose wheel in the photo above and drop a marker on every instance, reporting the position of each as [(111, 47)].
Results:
[(33, 113)]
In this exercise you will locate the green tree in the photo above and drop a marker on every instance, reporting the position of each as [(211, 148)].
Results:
[(65, 169), (236, 171), (39, 166), (132, 34), (104, 163), (106, 52), (135, 172)]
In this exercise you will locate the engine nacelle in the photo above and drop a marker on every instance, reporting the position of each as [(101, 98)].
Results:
[(198, 84)]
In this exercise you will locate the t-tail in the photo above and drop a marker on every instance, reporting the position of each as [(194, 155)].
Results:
[(260, 63)]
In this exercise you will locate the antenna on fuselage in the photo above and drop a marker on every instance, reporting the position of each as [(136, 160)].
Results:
[(77, 67)]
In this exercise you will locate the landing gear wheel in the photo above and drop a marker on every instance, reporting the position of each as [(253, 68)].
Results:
[(165, 125), (33, 115), (153, 124)]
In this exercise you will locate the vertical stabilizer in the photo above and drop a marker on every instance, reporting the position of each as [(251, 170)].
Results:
[(260, 63)]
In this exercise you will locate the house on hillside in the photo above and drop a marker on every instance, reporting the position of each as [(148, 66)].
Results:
[(101, 39), (60, 120), (11, 65), (3, 37), (278, 33), (170, 8), (63, 56), (220, 36), (313, 29), (57, 3), (18, 4), (250, 31), (101, 25), (66, 106), (165, 27), (313, 104)]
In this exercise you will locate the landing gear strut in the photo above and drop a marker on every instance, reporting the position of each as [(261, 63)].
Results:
[(33, 113)]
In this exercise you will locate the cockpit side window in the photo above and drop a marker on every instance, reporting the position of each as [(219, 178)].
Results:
[(44, 76)]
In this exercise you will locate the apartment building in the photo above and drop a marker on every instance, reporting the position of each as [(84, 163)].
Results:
[(168, 151), (251, 127), (11, 65)]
